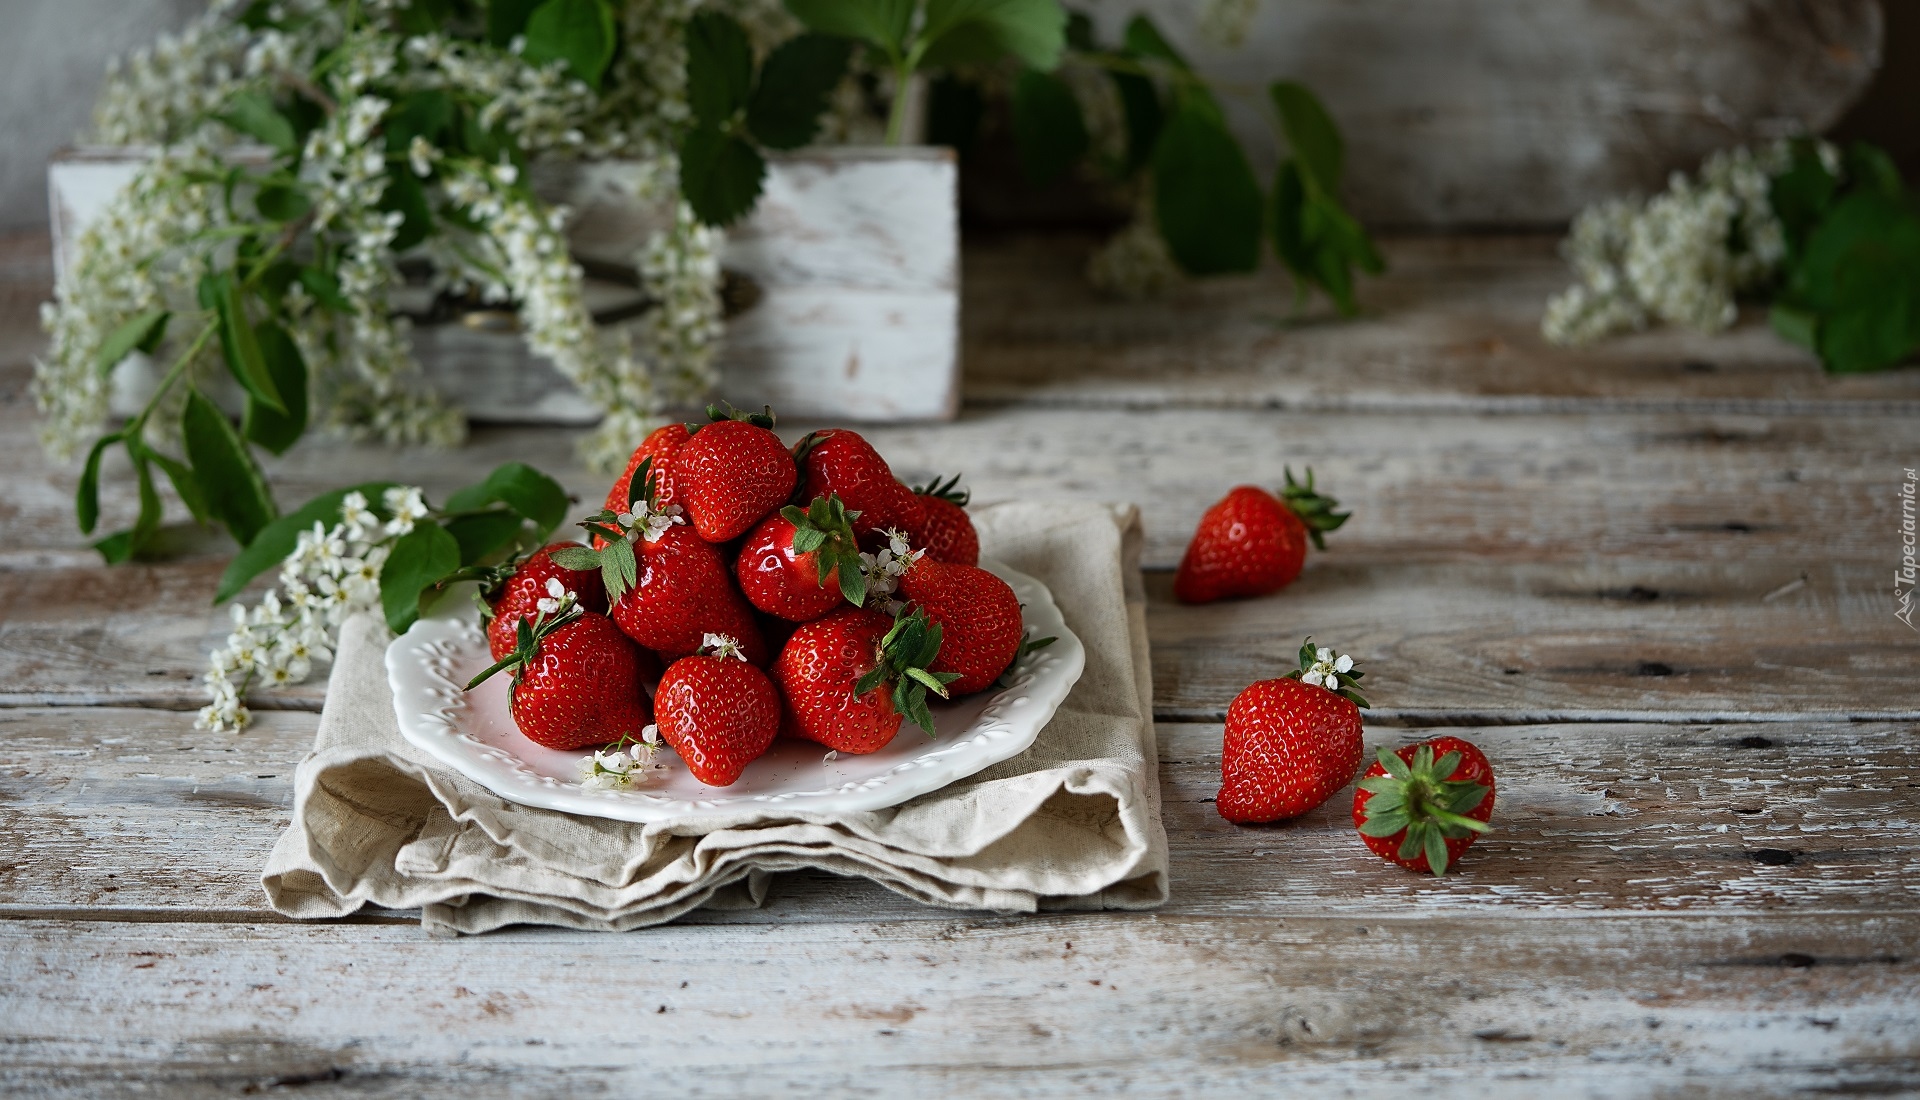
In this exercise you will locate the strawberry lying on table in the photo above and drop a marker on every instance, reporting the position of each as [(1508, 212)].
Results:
[(714, 531)]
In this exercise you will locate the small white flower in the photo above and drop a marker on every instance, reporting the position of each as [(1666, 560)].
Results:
[(408, 506), (1311, 676), (722, 645), (557, 597), (1327, 669), (420, 156), (1344, 664), (831, 756), (650, 735), (357, 520)]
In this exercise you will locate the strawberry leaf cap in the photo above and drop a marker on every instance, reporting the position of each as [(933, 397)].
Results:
[(1314, 510), (645, 518), (1420, 799), (555, 612), (724, 411), (904, 654), (825, 529), (948, 490), (1322, 667)]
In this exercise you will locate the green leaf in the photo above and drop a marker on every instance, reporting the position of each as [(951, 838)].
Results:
[(272, 428), (577, 558), (719, 67), (122, 545), (1310, 133), (1870, 168), (1796, 326), (236, 492), (578, 32), (484, 533), (1386, 823), (795, 82), (1801, 194), (1859, 275), (420, 559), (86, 499), (1205, 197), (238, 343), (530, 493), (1140, 101), (983, 31), (428, 114), (1436, 852), (143, 332), (720, 175), (184, 483), (1143, 39), (1048, 129), (281, 201), (408, 196), (325, 289), (254, 114), (882, 22), (507, 18), (276, 540)]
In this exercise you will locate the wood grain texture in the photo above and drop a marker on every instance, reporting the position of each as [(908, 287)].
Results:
[(1141, 1004), (1505, 112), (134, 812)]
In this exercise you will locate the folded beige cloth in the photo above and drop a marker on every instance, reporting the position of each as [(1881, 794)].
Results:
[(1072, 823)]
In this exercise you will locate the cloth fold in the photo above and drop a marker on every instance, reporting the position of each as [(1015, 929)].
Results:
[(1072, 823)]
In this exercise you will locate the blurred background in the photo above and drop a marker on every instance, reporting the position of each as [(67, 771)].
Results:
[(1481, 114)]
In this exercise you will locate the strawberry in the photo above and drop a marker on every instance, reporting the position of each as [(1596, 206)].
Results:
[(1252, 543), (717, 711), (675, 590), (657, 450), (515, 597), (839, 462), (944, 531), (1423, 805), (576, 680), (786, 562), (732, 472), (850, 677), (1290, 743), (979, 617)]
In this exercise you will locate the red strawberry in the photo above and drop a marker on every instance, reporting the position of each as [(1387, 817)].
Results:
[(657, 450), (979, 617), (576, 681), (516, 597), (1252, 543), (732, 472), (839, 462), (850, 677), (1290, 743), (671, 593), (717, 711), (786, 563), (945, 532), (1423, 805)]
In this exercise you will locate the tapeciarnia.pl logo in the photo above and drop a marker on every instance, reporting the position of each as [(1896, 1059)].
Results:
[(1905, 576)]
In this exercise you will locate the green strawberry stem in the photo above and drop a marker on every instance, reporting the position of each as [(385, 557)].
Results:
[(724, 411), (825, 529), (1314, 510), (904, 654), (948, 490), (527, 639), (1421, 799)]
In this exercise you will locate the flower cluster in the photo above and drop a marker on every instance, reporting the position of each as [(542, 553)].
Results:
[(333, 572), (1682, 257), (626, 762), (884, 569), (648, 522), (1135, 263)]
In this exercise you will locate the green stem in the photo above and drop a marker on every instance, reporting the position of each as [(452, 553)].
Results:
[(139, 422)]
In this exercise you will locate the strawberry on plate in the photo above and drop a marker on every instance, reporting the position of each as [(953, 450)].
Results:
[(576, 679), (515, 598), (1292, 742), (800, 565), (850, 677), (1421, 806), (657, 451), (840, 462), (945, 532), (979, 617), (1252, 542), (732, 473), (717, 711)]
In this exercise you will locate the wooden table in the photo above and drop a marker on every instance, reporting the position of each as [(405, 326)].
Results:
[(1652, 579)]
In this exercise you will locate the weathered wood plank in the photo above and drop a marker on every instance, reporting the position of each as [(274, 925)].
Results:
[(1154, 1006), (117, 811)]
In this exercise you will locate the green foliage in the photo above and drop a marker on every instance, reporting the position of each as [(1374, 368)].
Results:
[(143, 333), (527, 492), (1047, 127), (278, 429), (419, 560), (784, 109), (235, 491), (578, 32), (1204, 194), (276, 540), (255, 115), (1851, 289)]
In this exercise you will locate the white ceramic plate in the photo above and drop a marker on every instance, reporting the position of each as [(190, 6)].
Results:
[(473, 733)]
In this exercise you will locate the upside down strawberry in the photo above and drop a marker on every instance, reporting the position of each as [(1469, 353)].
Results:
[(717, 711), (1252, 542), (576, 680), (849, 678), (1423, 805), (945, 532), (800, 565), (1291, 743), (840, 462), (732, 472), (518, 595)]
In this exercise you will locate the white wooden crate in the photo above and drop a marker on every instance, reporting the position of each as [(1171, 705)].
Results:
[(854, 252)]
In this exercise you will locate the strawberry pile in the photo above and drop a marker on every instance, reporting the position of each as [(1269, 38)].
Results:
[(769, 592)]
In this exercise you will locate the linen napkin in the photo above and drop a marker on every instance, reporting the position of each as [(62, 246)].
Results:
[(1072, 823)]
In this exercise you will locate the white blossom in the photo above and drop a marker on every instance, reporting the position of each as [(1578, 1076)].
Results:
[(722, 646), (1327, 668)]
